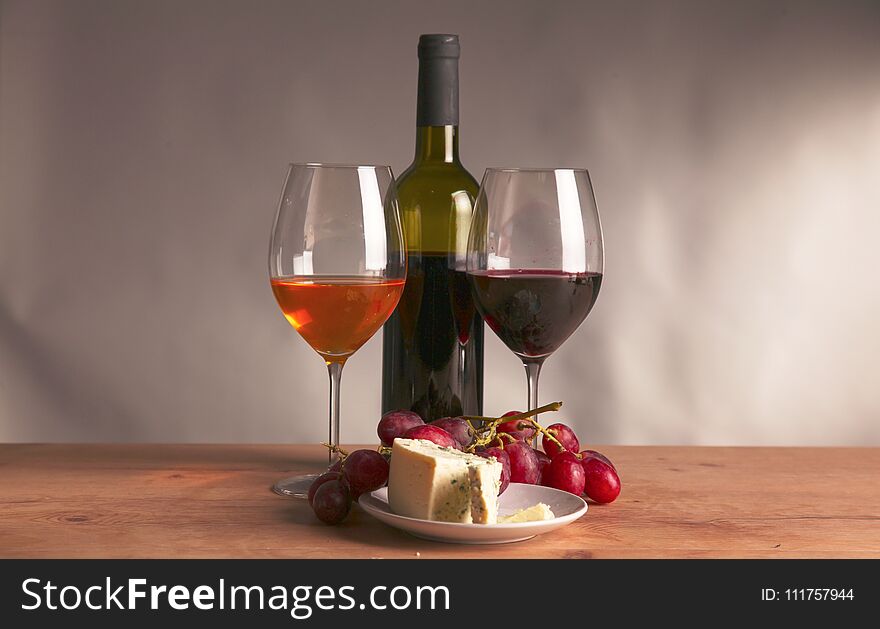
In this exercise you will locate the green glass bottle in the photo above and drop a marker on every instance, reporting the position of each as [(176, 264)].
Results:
[(432, 358)]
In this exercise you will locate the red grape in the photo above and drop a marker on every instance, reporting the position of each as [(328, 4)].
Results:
[(519, 429), (365, 471), (395, 423), (336, 467), (565, 472), (504, 459), (458, 428), (566, 437), (332, 502), (523, 463), (543, 462), (323, 478), (434, 434), (586, 454), (602, 482)]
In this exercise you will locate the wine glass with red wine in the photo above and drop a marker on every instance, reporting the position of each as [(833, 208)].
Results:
[(337, 266), (535, 259)]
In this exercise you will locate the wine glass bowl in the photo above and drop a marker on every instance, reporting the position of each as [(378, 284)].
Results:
[(335, 315), (337, 266), (535, 259), (533, 311)]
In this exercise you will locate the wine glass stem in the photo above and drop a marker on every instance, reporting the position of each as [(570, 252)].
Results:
[(533, 370), (462, 385), (335, 370)]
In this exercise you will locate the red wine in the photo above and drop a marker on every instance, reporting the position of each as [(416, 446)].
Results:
[(534, 310), (421, 343)]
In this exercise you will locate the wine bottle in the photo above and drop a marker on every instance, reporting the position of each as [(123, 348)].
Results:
[(432, 352)]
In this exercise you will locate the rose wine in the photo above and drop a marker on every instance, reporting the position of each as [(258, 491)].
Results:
[(336, 314), (432, 348), (533, 311)]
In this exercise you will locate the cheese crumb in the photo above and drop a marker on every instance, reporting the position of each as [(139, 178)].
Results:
[(535, 513)]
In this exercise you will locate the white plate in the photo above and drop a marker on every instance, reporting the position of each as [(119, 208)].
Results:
[(565, 506)]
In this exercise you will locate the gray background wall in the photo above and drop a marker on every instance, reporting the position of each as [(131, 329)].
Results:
[(734, 147)]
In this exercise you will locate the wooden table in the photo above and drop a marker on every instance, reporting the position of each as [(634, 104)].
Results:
[(214, 501)]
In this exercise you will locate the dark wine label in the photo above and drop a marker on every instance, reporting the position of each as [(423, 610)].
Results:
[(433, 344)]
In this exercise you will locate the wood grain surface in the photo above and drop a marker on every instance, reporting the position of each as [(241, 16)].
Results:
[(78, 500)]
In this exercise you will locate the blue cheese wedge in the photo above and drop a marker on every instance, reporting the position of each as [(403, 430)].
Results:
[(430, 482), (535, 513)]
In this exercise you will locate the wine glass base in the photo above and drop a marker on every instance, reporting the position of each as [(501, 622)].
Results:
[(295, 486)]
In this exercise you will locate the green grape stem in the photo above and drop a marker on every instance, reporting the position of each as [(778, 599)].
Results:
[(336, 450), (487, 433), (547, 408), (547, 434)]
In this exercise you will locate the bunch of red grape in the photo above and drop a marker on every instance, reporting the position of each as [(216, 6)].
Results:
[(513, 442), (560, 463)]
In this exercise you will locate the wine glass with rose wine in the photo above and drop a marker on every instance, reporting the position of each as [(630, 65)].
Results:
[(535, 259), (337, 266)]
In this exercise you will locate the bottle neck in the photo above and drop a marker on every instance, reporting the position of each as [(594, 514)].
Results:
[(437, 103), (437, 144)]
